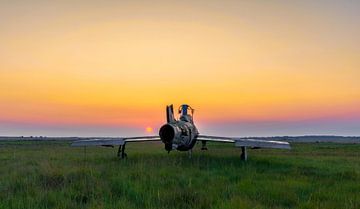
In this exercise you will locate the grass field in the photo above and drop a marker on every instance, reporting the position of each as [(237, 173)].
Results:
[(54, 175)]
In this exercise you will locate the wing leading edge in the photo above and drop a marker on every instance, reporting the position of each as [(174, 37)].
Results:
[(113, 141), (246, 142)]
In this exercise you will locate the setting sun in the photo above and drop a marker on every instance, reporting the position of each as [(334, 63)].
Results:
[(149, 129)]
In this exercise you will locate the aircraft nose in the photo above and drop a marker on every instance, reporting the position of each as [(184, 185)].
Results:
[(167, 135)]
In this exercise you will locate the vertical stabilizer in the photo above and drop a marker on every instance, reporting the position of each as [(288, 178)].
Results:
[(170, 114)]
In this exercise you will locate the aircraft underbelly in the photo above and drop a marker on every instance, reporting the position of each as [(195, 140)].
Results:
[(188, 145)]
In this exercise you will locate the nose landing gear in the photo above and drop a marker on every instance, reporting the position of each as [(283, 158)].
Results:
[(190, 154)]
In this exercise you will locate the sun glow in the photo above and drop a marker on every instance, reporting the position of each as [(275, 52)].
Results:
[(119, 63), (149, 129)]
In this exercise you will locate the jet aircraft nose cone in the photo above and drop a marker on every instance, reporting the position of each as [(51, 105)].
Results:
[(167, 133)]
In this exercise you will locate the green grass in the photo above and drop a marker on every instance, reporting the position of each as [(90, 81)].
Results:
[(54, 175)]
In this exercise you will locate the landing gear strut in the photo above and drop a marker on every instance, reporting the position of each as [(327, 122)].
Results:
[(203, 145), (243, 155), (190, 153), (121, 151)]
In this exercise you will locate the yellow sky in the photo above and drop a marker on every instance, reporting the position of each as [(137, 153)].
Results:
[(120, 63)]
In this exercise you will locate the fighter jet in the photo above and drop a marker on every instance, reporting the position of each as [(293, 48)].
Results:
[(181, 134)]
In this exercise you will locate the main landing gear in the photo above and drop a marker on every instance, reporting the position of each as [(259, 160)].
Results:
[(121, 151), (243, 155), (203, 145)]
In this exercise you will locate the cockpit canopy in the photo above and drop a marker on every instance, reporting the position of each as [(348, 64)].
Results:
[(186, 113)]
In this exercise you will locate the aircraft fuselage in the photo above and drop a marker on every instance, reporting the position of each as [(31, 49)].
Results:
[(179, 134)]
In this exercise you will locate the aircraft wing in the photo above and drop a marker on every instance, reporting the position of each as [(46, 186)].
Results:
[(113, 141), (246, 142)]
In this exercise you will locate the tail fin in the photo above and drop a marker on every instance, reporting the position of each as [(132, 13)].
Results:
[(170, 114)]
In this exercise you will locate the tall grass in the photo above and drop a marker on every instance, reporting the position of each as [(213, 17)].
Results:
[(54, 175)]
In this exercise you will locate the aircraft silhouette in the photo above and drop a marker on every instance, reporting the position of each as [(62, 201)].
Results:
[(181, 134)]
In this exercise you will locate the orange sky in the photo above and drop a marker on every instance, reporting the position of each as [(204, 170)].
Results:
[(109, 64)]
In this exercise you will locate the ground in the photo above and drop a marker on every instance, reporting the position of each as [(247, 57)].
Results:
[(55, 175)]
